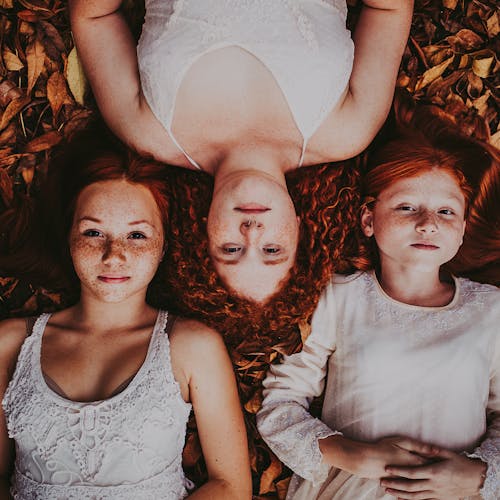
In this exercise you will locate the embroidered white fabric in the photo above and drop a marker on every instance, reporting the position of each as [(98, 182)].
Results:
[(126, 447), (390, 369), (303, 43)]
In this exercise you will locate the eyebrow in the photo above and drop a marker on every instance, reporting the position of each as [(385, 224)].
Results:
[(233, 262), (98, 221)]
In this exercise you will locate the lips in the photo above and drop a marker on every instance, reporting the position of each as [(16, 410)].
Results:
[(252, 208), (425, 246), (113, 279)]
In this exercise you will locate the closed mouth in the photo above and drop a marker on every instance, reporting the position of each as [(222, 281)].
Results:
[(251, 208), (425, 246), (113, 279)]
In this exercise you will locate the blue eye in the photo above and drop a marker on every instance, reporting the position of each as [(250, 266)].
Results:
[(273, 250), (231, 249), (92, 233), (137, 236)]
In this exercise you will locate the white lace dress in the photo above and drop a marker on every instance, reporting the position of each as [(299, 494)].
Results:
[(390, 369), (303, 43), (127, 447)]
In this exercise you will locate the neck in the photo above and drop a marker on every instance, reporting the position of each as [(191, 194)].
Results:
[(96, 316), (241, 161), (415, 287)]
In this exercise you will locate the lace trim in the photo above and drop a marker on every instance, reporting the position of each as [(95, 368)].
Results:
[(167, 485), (293, 435), (489, 452)]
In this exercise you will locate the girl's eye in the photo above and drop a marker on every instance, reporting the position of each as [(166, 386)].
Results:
[(231, 249), (273, 250), (446, 211), (137, 236), (406, 208), (92, 233)]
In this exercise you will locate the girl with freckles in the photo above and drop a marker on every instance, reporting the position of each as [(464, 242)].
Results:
[(409, 353), (95, 397)]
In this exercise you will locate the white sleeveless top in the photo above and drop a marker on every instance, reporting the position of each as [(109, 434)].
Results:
[(127, 447), (303, 43)]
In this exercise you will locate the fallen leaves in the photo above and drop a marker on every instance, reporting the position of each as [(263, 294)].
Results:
[(451, 60)]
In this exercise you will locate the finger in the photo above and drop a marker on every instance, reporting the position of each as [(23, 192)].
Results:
[(410, 495), (420, 472), (418, 447), (407, 485)]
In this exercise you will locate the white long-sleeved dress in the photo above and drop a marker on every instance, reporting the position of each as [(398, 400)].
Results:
[(430, 373)]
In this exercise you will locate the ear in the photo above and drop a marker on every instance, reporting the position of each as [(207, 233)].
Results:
[(463, 232), (367, 221)]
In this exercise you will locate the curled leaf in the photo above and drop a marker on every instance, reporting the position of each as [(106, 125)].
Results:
[(431, 74), (43, 142), (35, 56), (14, 107), (11, 61), (57, 93)]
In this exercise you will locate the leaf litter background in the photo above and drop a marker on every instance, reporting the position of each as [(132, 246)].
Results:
[(451, 60)]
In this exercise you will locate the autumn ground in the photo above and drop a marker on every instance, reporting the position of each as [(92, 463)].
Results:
[(451, 60)]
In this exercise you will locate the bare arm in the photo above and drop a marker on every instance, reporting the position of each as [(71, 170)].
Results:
[(108, 53), (12, 334), (380, 37), (199, 354)]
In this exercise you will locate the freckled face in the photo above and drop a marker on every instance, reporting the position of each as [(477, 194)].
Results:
[(116, 240), (418, 222)]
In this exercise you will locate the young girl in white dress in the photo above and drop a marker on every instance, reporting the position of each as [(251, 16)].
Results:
[(96, 397), (245, 90), (408, 353)]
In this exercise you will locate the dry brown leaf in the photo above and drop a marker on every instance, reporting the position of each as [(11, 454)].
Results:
[(305, 330), (482, 63), (282, 488), (493, 25), (431, 74), (253, 405), (450, 4), (43, 142), (57, 93), (481, 103), (14, 107), (11, 61), (7, 4), (465, 40), (8, 92), (76, 77), (28, 16), (35, 56), (495, 139), (269, 475)]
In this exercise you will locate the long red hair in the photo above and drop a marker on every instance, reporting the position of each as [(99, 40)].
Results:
[(422, 139)]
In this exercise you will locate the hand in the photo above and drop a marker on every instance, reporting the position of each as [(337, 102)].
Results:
[(370, 460), (451, 476)]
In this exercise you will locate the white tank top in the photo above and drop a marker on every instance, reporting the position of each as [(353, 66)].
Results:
[(127, 447), (303, 43)]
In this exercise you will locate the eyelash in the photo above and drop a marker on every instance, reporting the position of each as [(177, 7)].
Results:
[(94, 233)]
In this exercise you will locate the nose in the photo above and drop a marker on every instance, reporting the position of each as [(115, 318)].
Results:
[(426, 223), (250, 227), (113, 252)]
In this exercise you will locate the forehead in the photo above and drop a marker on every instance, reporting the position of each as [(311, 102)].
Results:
[(432, 184), (116, 198)]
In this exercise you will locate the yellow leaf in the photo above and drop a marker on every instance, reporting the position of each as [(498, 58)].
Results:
[(450, 4), (76, 77), (35, 56), (7, 4), (495, 139), (11, 61), (431, 74)]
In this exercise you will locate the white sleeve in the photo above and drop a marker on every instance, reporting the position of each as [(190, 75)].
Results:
[(489, 449), (284, 421)]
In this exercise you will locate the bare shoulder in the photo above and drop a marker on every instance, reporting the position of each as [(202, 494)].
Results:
[(12, 335), (194, 336)]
